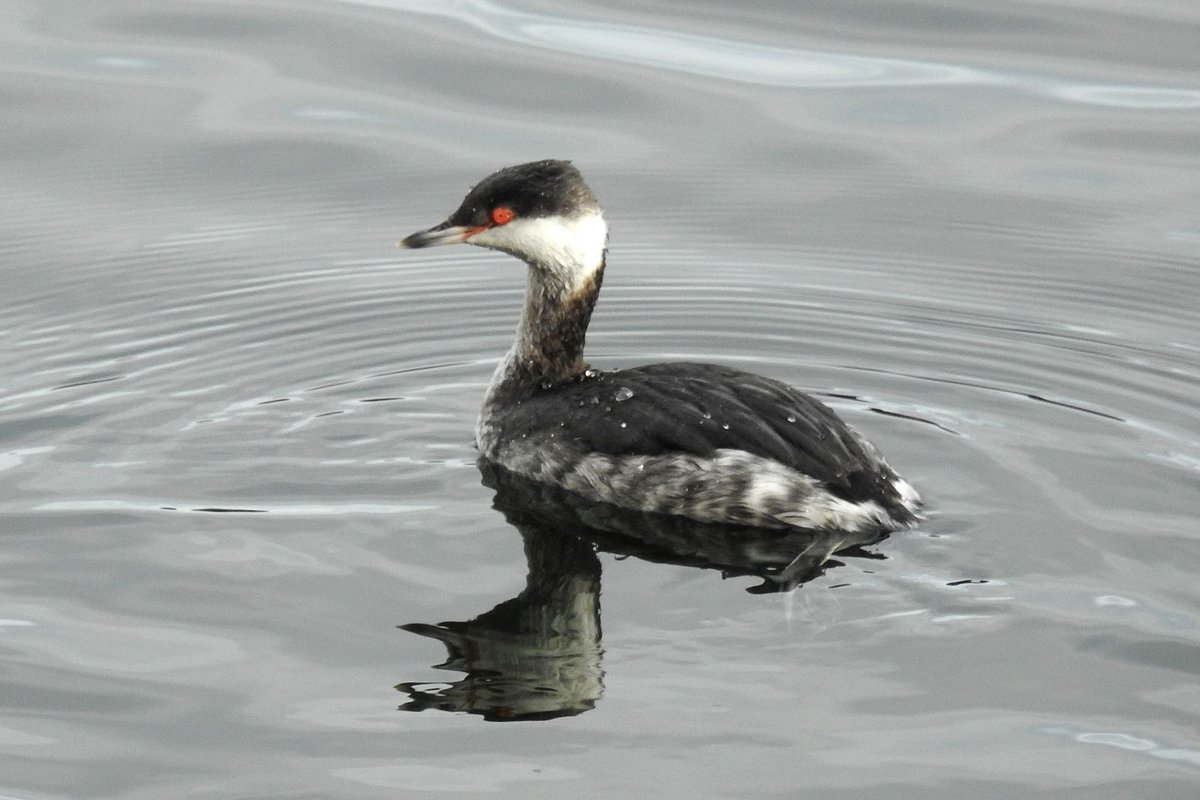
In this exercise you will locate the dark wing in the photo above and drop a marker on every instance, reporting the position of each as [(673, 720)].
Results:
[(699, 408)]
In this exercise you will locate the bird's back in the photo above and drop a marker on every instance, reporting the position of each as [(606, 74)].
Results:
[(700, 410)]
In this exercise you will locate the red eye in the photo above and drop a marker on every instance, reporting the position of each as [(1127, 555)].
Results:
[(501, 215)]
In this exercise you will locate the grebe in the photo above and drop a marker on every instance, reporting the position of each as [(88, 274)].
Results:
[(696, 440)]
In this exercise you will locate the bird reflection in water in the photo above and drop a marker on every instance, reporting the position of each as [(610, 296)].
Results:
[(538, 655)]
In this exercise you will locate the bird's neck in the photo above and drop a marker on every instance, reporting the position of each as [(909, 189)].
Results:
[(563, 285), (549, 345), (563, 282)]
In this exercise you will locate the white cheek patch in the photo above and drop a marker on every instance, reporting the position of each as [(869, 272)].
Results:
[(569, 248)]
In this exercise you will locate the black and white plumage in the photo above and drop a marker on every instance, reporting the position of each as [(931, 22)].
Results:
[(703, 441)]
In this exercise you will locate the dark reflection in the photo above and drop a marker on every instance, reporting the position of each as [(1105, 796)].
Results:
[(537, 656)]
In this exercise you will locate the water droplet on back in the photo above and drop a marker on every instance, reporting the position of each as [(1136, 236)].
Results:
[(624, 393)]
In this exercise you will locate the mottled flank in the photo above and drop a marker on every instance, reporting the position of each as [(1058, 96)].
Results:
[(726, 486)]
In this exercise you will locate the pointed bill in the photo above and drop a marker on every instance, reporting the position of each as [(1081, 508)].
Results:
[(440, 234)]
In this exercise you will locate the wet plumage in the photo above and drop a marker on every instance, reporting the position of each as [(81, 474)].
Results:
[(704, 441)]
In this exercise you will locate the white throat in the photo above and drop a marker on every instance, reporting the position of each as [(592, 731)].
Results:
[(567, 251)]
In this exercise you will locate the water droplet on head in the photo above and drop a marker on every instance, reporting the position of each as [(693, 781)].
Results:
[(791, 418), (624, 393), (624, 424), (725, 426), (707, 415)]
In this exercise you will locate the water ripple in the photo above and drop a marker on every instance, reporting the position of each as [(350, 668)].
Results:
[(759, 64)]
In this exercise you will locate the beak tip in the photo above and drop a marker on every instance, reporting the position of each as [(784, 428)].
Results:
[(441, 234)]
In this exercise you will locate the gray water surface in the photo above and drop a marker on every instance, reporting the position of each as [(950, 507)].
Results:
[(236, 423)]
